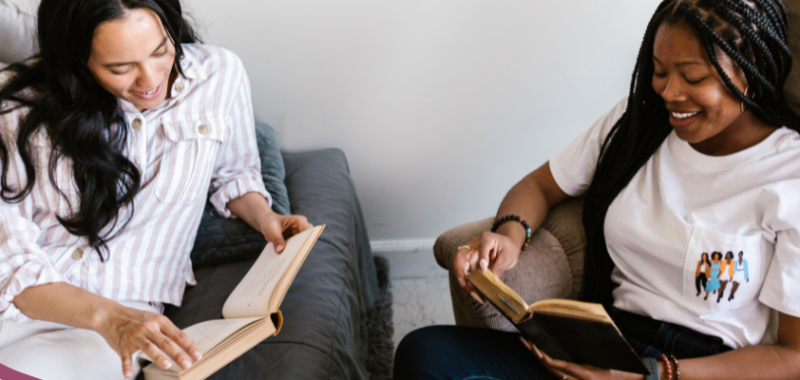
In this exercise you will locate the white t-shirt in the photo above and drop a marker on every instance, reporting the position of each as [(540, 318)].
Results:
[(682, 204)]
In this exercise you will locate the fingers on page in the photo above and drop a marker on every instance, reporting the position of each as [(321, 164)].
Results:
[(186, 344)]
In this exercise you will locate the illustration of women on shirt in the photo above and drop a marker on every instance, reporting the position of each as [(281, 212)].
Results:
[(741, 273), (725, 274), (702, 274), (713, 280)]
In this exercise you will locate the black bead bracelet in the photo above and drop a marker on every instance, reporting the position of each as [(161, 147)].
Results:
[(515, 218)]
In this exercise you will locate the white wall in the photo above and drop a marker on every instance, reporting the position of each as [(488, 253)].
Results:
[(440, 105)]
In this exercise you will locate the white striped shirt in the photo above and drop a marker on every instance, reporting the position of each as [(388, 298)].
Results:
[(200, 141)]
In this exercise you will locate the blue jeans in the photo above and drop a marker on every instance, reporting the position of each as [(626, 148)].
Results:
[(466, 353)]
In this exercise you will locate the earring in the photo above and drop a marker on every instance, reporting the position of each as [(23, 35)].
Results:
[(741, 106)]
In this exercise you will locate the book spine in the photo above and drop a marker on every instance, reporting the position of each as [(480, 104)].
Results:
[(544, 341)]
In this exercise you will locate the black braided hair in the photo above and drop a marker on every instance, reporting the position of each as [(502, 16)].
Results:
[(754, 35)]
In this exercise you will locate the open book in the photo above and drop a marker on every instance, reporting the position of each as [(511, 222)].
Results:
[(577, 332), (251, 311)]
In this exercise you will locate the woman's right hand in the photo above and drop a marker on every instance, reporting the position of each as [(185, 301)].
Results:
[(128, 330), (492, 251)]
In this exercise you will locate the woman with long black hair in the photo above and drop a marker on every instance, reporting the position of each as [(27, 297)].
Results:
[(112, 136), (703, 155)]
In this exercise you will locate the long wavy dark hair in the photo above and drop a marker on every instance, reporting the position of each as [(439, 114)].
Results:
[(753, 34), (82, 120)]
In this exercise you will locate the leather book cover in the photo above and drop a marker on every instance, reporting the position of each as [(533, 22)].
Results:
[(582, 341)]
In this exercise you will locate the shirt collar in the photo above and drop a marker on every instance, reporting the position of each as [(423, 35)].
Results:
[(191, 65)]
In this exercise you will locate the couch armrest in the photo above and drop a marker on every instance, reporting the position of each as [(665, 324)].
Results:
[(551, 267)]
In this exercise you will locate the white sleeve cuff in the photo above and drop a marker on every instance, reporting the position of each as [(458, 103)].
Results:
[(32, 273), (235, 189)]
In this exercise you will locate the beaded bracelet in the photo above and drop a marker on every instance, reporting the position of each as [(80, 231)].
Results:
[(509, 218), (668, 365), (677, 367)]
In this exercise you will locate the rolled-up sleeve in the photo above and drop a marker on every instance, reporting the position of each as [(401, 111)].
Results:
[(22, 262), (237, 170)]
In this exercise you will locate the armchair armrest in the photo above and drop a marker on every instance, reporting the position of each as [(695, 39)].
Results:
[(551, 267), (447, 243)]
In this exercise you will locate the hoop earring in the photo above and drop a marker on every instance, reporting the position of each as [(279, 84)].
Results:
[(741, 106)]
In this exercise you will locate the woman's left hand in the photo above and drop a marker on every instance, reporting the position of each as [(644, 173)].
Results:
[(571, 371), (254, 209), (277, 228)]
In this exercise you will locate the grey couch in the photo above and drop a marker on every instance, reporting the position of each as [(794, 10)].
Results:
[(324, 335), (552, 266)]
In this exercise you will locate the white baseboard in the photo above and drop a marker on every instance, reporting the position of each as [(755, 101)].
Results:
[(409, 245), (409, 258)]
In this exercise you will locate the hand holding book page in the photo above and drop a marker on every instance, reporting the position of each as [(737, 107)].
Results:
[(271, 271), (248, 311)]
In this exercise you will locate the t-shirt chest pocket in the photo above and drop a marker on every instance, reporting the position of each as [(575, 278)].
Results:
[(190, 151), (722, 271)]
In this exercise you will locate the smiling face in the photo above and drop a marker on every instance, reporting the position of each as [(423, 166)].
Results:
[(132, 58), (703, 110)]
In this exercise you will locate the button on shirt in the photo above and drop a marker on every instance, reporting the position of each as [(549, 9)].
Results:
[(200, 141)]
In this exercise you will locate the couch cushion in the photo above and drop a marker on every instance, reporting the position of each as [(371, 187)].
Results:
[(272, 169), (324, 310), (17, 32), (221, 240), (792, 86)]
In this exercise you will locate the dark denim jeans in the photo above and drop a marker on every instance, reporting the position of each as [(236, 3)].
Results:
[(461, 353)]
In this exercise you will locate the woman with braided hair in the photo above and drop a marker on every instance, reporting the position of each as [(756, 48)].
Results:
[(702, 156)]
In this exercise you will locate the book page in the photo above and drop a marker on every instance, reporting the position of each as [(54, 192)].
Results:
[(251, 297), (208, 334), (571, 308)]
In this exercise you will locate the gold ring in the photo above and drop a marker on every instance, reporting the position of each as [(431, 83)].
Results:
[(563, 377), (464, 246)]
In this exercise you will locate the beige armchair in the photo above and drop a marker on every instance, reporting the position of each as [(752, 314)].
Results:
[(552, 266)]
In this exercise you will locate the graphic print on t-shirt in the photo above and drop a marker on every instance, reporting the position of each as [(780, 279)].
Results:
[(719, 274), (719, 268)]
